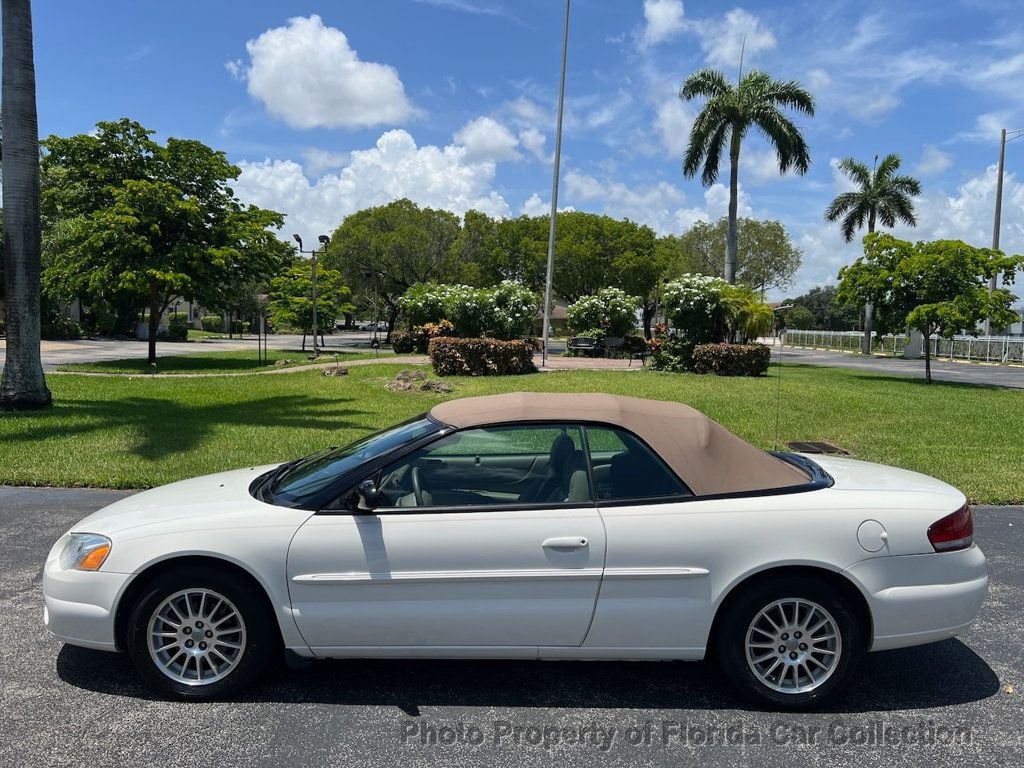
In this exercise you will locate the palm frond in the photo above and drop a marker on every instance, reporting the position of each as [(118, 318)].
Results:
[(906, 185), (854, 220), (706, 126), (843, 203), (790, 94), (713, 155), (887, 168), (706, 83), (790, 147), (857, 171)]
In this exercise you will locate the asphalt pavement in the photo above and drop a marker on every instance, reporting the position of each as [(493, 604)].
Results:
[(985, 374), (947, 704)]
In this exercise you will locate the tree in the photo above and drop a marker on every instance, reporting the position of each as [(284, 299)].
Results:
[(730, 111), (800, 318), (144, 223), (384, 251), (883, 196), (938, 288), (825, 310), (23, 385), (765, 256), (291, 299), (610, 312)]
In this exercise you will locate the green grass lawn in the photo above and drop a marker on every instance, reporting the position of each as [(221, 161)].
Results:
[(138, 432), (215, 361)]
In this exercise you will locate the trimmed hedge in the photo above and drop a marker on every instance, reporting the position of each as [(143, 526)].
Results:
[(213, 323), (177, 327), (731, 359), (480, 357), (402, 342)]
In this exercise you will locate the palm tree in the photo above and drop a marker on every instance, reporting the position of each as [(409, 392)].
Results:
[(883, 196), (730, 111), (23, 384)]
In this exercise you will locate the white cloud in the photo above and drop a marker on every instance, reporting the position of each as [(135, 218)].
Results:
[(933, 160), (661, 206), (818, 79), (439, 177), (534, 206), (320, 160), (738, 31), (762, 165), (664, 20), (673, 121), (533, 142), (307, 75), (486, 139), (987, 127)]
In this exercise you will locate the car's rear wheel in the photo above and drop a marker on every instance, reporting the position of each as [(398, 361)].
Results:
[(790, 642), (200, 633)]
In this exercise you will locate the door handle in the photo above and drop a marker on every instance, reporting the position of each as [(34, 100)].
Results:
[(566, 542)]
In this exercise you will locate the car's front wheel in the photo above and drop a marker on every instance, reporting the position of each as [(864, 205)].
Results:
[(200, 633), (790, 642)]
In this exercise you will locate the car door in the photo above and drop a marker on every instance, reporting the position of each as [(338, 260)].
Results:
[(453, 560), (656, 591)]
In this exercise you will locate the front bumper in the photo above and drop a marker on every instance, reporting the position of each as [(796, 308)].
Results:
[(917, 599), (79, 605)]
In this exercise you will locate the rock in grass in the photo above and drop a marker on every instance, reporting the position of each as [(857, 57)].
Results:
[(335, 370), (282, 363), (407, 380), (433, 385)]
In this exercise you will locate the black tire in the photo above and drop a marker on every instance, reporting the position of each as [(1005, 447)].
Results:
[(261, 637), (732, 637)]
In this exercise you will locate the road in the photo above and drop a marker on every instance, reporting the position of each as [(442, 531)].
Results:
[(961, 373), (57, 353), (64, 706)]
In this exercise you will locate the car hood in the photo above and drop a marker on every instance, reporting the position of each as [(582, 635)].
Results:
[(197, 502)]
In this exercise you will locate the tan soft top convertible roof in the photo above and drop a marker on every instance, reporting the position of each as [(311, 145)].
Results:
[(707, 456)]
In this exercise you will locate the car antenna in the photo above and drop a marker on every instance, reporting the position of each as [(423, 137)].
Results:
[(778, 385)]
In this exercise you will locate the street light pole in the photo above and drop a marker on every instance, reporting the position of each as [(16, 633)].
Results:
[(554, 193), (999, 210), (324, 240)]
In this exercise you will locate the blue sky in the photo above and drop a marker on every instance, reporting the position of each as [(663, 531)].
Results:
[(333, 106)]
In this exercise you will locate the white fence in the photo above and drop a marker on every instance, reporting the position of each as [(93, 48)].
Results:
[(990, 349)]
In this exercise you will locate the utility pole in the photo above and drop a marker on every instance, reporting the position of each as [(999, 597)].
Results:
[(999, 209), (554, 193)]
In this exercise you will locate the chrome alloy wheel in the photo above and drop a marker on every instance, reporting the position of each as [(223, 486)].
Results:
[(793, 645), (196, 637)]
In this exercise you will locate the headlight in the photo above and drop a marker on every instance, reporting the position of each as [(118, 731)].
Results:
[(84, 552)]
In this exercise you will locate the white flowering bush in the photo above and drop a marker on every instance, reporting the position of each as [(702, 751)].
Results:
[(610, 310), (695, 306), (503, 311)]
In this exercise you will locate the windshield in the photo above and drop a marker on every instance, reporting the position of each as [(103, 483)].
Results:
[(314, 473)]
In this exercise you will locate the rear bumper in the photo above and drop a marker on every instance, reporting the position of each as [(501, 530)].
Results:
[(917, 599)]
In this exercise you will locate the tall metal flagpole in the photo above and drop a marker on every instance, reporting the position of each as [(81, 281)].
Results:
[(554, 192), (999, 209)]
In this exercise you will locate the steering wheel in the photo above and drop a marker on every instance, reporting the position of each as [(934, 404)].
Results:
[(417, 485)]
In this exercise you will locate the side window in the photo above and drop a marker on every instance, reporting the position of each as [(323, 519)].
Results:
[(625, 468), (492, 466)]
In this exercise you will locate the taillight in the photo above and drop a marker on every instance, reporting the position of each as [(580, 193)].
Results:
[(955, 531)]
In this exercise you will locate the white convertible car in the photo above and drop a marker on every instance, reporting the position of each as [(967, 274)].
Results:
[(530, 526)]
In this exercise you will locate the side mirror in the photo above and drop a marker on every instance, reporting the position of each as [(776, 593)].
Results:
[(369, 496)]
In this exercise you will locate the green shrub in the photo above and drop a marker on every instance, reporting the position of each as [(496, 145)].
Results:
[(239, 326), (503, 311), (56, 326), (480, 357), (610, 310), (671, 353), (213, 323), (732, 359), (177, 327), (403, 342)]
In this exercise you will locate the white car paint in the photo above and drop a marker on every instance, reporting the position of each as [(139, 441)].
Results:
[(636, 581)]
